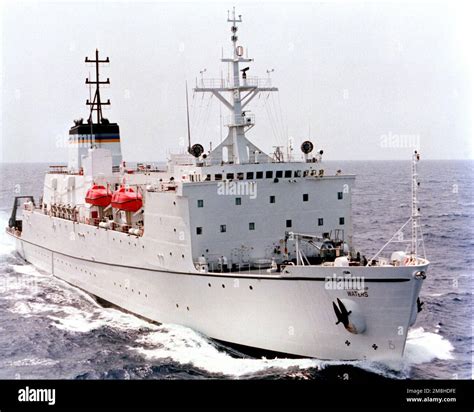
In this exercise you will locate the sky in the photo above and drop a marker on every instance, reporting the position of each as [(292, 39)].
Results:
[(362, 80)]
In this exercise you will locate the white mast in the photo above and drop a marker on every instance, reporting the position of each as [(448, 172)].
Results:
[(241, 94), (415, 211)]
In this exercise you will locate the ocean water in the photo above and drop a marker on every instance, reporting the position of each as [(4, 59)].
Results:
[(49, 329)]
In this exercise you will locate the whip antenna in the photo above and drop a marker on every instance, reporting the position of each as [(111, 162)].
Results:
[(187, 116)]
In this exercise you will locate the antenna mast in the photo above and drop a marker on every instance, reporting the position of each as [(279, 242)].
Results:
[(415, 211), (187, 116), (241, 90), (96, 103)]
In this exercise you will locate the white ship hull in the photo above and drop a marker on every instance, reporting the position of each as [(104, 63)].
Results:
[(289, 312)]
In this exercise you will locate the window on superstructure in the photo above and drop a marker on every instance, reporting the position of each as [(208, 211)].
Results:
[(217, 177), (305, 197), (208, 178), (279, 173), (229, 176), (252, 226), (297, 173), (223, 228), (320, 221), (305, 173), (287, 173), (259, 175), (240, 176), (269, 174), (272, 199), (340, 195), (199, 231), (238, 201), (249, 175), (288, 223), (200, 203), (341, 220)]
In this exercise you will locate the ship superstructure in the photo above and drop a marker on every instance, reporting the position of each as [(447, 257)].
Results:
[(246, 247)]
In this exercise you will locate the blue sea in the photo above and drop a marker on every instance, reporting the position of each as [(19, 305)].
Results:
[(51, 330)]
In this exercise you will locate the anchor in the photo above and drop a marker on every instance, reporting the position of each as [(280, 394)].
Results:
[(341, 313), (419, 305)]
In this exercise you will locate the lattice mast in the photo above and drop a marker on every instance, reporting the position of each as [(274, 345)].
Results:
[(241, 93), (97, 103)]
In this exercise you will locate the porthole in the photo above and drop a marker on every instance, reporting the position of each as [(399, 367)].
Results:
[(187, 308), (251, 287), (209, 284), (177, 305), (223, 286)]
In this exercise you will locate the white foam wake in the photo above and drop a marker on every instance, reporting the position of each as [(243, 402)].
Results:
[(185, 346), (423, 346)]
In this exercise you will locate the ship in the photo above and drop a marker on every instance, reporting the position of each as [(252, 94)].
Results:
[(247, 248)]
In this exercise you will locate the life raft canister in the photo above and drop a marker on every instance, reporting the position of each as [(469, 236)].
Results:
[(98, 195), (127, 199)]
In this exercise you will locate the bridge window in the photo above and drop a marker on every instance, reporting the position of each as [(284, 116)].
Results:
[(288, 223), (341, 220), (240, 176), (272, 199), (279, 173), (320, 221), (305, 197), (259, 175), (252, 226), (340, 195), (287, 173), (238, 201), (297, 173), (200, 203), (217, 177), (249, 175), (229, 176), (269, 174), (208, 178), (223, 228), (199, 231)]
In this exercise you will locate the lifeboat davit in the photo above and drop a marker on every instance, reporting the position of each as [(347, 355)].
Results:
[(98, 195), (127, 199)]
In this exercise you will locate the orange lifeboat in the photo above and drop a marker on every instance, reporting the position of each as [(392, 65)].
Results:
[(98, 195), (127, 199)]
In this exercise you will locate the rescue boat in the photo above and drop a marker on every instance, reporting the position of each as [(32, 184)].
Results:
[(98, 195), (127, 199)]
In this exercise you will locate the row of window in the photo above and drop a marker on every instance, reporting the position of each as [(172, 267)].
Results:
[(289, 224), (260, 175), (238, 200)]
